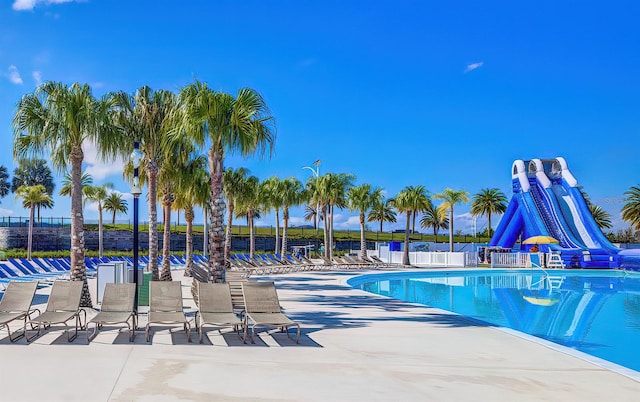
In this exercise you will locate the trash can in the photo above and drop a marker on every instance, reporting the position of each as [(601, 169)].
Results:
[(143, 289), (394, 246)]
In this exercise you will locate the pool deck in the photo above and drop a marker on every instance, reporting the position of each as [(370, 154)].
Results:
[(355, 346)]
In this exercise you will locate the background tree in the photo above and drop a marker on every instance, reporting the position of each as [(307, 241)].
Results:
[(404, 203), (240, 124), (114, 203), (361, 199), (99, 194), (420, 200), (436, 218), (4, 182), (85, 181), (273, 200), (31, 172), (631, 208), (311, 214), (145, 117), (451, 198), (602, 217), (382, 211), (488, 201), (232, 180), (248, 205), (59, 119), (332, 189), (31, 197), (291, 193)]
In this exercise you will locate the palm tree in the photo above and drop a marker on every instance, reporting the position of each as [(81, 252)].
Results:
[(420, 201), (336, 192), (240, 124), (145, 117), (488, 201), (232, 180), (311, 214), (4, 182), (404, 203), (273, 199), (291, 195), (248, 205), (31, 197), (602, 217), (361, 199), (436, 218), (631, 208), (58, 119), (452, 198), (99, 194), (191, 191), (31, 172), (85, 181), (114, 203), (382, 211)]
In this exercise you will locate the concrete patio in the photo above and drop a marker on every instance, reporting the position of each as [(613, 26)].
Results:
[(355, 346)]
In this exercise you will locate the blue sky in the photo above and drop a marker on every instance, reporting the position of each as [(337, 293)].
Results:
[(398, 93)]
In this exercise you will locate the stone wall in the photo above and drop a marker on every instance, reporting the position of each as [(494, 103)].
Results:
[(52, 239)]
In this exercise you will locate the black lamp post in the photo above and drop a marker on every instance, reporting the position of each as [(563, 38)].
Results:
[(136, 157)]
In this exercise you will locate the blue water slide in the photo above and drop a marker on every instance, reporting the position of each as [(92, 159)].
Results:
[(584, 214), (564, 232), (506, 225)]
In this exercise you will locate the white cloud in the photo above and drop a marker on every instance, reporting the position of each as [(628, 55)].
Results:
[(14, 75), (307, 62), (37, 77), (27, 5), (97, 168), (6, 212), (473, 66)]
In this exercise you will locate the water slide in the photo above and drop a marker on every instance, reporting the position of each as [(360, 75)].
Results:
[(548, 202)]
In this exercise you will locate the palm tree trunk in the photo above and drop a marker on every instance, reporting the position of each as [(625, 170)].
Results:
[(165, 275), (113, 217), (363, 242), (278, 229), (216, 229), (405, 254), (100, 232), (489, 219), (435, 232), (78, 271), (451, 229), (227, 236), (325, 231), (381, 226), (252, 236), (30, 236), (189, 216), (285, 224), (331, 231), (413, 221), (205, 232), (152, 173)]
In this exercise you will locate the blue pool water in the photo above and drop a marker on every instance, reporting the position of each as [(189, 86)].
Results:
[(596, 312)]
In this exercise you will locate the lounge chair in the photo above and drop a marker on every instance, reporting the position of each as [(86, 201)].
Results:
[(16, 305), (262, 307), (215, 307), (165, 306), (117, 308), (63, 306)]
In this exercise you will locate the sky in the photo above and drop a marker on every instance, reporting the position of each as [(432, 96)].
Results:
[(443, 94)]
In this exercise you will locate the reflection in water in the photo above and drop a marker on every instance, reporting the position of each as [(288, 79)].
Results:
[(591, 312)]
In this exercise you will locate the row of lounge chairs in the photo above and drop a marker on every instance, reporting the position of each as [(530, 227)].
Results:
[(261, 307), (262, 264)]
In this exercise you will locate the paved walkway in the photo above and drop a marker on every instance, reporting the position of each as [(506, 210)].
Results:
[(355, 347)]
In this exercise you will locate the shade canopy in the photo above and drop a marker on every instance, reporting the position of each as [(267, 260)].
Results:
[(540, 240)]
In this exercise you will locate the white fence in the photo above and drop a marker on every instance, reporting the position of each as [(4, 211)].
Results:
[(430, 259), (510, 260)]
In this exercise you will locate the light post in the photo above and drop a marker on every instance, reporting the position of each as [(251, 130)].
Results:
[(316, 174), (136, 158)]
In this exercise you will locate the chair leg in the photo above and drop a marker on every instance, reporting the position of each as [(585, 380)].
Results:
[(146, 330)]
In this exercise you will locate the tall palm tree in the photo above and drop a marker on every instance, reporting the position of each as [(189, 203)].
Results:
[(114, 203), (146, 117), (58, 119), (311, 214), (4, 182), (336, 189), (361, 199), (291, 194), (316, 189), (404, 203), (631, 208), (31, 197), (191, 191), (248, 204), (488, 201), (31, 172), (240, 124), (420, 200), (382, 211), (232, 180), (99, 194), (436, 218), (452, 198), (273, 199), (602, 217)]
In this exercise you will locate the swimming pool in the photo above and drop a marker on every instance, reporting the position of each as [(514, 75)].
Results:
[(596, 312)]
